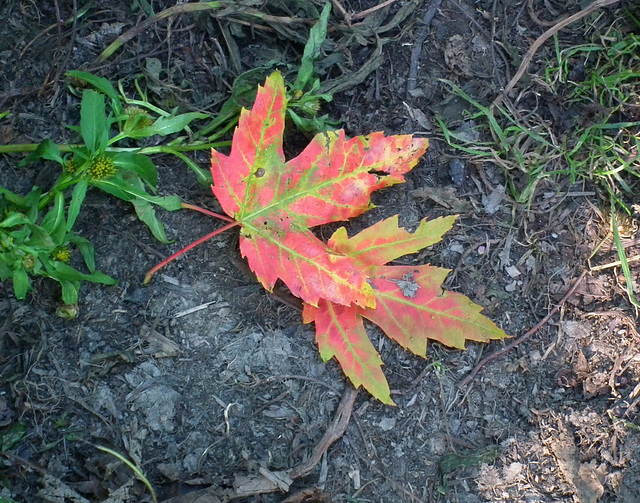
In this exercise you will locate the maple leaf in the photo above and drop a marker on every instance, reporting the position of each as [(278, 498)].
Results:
[(342, 282), (411, 306), (276, 202)]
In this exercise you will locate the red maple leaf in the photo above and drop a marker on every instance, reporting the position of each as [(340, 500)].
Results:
[(276, 203)]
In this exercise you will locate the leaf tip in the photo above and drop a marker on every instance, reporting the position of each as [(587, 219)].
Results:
[(380, 391)]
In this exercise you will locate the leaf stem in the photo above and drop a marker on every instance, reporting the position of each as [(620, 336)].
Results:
[(184, 250), (187, 206)]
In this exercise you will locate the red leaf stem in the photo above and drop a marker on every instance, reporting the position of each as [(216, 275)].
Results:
[(187, 206), (159, 266)]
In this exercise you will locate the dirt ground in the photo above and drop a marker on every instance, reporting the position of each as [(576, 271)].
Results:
[(213, 402)]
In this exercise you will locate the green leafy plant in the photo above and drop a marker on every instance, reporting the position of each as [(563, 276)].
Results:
[(31, 245), (304, 96), (276, 203), (31, 239), (303, 92), (126, 173), (36, 231)]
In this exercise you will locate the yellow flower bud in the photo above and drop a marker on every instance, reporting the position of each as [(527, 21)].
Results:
[(72, 166), (67, 311), (101, 168), (61, 254), (138, 119), (28, 261)]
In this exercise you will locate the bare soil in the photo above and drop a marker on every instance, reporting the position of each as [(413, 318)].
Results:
[(209, 402)]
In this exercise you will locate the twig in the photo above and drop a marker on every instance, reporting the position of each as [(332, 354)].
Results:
[(343, 11), (333, 433), (23, 462), (63, 64), (534, 16), (543, 38), (416, 51), (617, 263), (81, 12), (226, 8), (371, 10), (524, 337)]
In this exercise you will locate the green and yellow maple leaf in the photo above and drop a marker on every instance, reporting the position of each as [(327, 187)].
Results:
[(411, 306)]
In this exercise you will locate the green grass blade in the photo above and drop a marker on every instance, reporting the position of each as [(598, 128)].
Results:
[(133, 467), (622, 256)]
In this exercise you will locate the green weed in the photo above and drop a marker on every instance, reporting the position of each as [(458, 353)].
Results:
[(36, 230), (524, 151), (35, 243)]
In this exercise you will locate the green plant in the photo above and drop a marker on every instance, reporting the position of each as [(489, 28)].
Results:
[(522, 150), (603, 144), (607, 148), (451, 461), (124, 172), (34, 243), (304, 97), (36, 231), (36, 237), (303, 90)]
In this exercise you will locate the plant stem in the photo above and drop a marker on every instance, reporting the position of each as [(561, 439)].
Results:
[(159, 266), (62, 183), (31, 147), (161, 149), (187, 206), (165, 149)]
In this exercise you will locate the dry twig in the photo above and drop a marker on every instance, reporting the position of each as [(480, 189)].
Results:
[(351, 17), (416, 51), (617, 263), (333, 433), (543, 38), (223, 8), (524, 337), (536, 19), (371, 10)]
